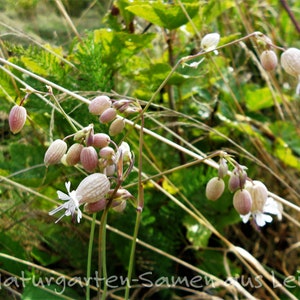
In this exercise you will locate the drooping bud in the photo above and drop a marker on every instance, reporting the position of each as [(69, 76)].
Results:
[(89, 158), (93, 188), (116, 126), (214, 188), (210, 41), (237, 178), (259, 194), (223, 168), (122, 105), (120, 195), (109, 170), (119, 206), (108, 115), (99, 104), (73, 154), (17, 118), (107, 152), (242, 201), (234, 182), (290, 61), (84, 132), (95, 206), (55, 152), (101, 140), (268, 60)]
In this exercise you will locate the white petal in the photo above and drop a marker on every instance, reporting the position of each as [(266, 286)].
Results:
[(246, 218), (261, 219), (79, 215), (68, 186), (63, 196), (271, 207), (55, 210)]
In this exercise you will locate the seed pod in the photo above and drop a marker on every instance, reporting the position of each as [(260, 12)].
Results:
[(95, 206), (242, 201), (108, 115), (268, 60), (17, 118), (55, 152), (89, 158), (290, 61), (210, 41), (93, 188), (107, 152), (99, 104), (101, 140), (214, 188), (116, 126), (73, 154)]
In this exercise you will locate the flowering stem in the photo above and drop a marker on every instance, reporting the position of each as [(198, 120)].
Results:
[(139, 210), (89, 258), (102, 254)]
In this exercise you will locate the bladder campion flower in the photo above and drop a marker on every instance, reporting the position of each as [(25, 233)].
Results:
[(261, 204), (71, 206), (91, 189)]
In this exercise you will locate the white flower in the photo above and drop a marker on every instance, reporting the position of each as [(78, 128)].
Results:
[(262, 205), (210, 41), (70, 206)]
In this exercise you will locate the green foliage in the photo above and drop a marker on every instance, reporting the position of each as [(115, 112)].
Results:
[(165, 15)]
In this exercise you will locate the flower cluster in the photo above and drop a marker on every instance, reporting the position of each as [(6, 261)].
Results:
[(250, 197), (98, 154), (107, 109)]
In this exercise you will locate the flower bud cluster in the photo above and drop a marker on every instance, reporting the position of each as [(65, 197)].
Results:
[(98, 154), (93, 152), (250, 198), (108, 109)]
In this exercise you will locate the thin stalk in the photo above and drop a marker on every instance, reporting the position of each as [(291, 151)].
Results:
[(63, 112), (138, 211), (89, 257), (102, 267)]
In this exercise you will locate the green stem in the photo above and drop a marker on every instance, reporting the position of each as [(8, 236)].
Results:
[(139, 210), (102, 268), (63, 112), (132, 252), (89, 258)]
